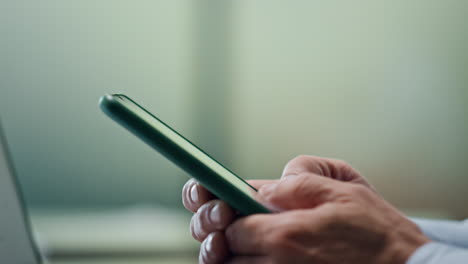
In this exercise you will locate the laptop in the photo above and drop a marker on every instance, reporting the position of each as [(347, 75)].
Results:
[(129, 233), (16, 241)]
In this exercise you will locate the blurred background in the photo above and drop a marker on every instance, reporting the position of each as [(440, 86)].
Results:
[(382, 85)]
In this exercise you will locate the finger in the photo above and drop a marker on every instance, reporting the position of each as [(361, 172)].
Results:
[(214, 215), (250, 260), (249, 235), (266, 234), (259, 183), (299, 192), (214, 249), (330, 168), (274, 234), (194, 195)]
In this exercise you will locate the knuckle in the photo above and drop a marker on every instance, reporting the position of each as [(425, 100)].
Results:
[(358, 190), (345, 168), (299, 185), (300, 161), (342, 217), (244, 225), (224, 215), (333, 218), (297, 164), (285, 189), (272, 197), (232, 234), (278, 239), (342, 165), (232, 231), (281, 239), (301, 158), (229, 232)]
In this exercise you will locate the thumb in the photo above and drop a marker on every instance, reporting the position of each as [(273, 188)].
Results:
[(330, 168), (299, 192)]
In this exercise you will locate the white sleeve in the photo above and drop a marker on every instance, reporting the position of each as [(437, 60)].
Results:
[(453, 233), (438, 253)]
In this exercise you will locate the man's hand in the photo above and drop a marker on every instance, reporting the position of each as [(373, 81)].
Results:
[(338, 223), (328, 214)]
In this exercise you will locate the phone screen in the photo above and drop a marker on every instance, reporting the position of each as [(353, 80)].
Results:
[(185, 144)]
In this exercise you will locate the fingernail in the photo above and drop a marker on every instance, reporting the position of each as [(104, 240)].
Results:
[(194, 193), (209, 243), (215, 214), (206, 249), (267, 188)]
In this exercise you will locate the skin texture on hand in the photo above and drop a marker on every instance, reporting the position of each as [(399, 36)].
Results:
[(326, 213)]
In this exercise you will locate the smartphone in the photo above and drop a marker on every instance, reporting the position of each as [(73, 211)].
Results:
[(219, 180)]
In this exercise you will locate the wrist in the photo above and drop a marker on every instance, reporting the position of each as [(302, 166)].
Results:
[(403, 242)]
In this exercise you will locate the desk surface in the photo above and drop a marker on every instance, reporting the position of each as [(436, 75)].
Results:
[(133, 235)]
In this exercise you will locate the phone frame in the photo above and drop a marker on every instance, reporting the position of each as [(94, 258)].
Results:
[(218, 179)]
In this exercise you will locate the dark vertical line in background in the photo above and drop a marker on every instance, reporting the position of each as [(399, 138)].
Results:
[(211, 77)]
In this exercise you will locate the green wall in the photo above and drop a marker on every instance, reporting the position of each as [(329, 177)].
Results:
[(380, 84)]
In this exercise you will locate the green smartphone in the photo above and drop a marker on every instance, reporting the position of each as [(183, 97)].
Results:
[(211, 174)]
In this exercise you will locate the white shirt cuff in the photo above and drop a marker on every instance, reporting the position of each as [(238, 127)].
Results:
[(448, 232), (438, 253)]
